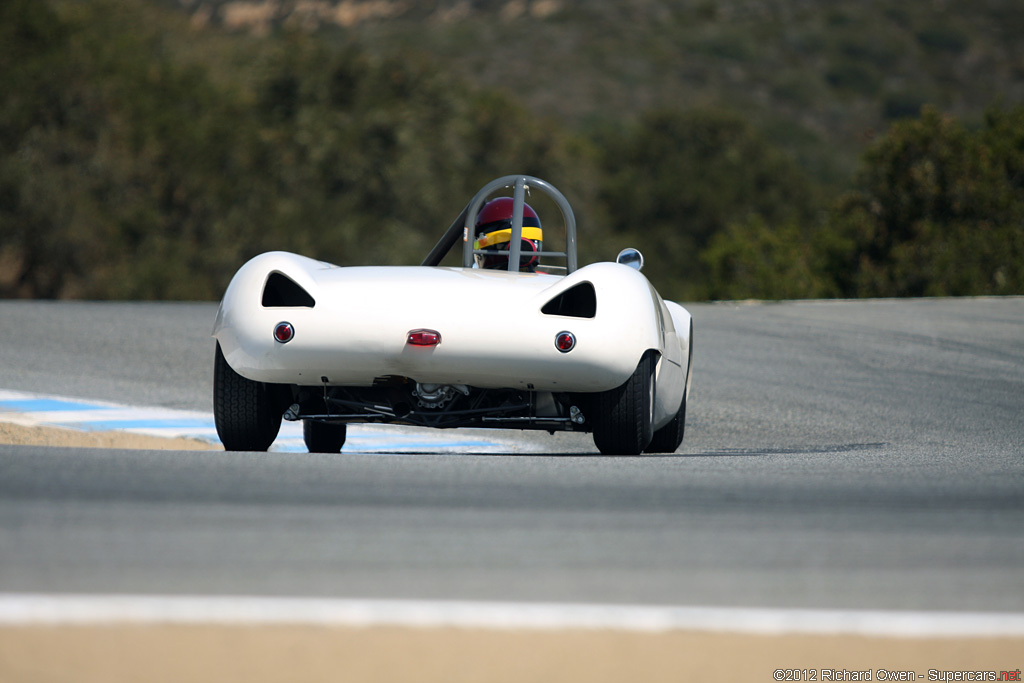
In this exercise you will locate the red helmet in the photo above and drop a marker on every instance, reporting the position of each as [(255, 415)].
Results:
[(494, 230)]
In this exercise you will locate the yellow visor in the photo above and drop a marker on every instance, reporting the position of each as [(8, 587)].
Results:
[(503, 236)]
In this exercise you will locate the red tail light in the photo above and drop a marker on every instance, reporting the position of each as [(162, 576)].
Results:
[(424, 338), (284, 332), (565, 341)]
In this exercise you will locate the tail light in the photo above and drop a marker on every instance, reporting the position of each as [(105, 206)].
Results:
[(565, 341), (424, 338), (284, 332)]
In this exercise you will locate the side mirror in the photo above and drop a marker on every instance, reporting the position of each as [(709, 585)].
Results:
[(631, 257)]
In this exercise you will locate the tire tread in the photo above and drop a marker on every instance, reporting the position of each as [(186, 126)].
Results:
[(324, 437), (243, 410), (624, 424)]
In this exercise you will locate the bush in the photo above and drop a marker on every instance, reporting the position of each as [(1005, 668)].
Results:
[(752, 259), (938, 210), (679, 178), (126, 175), (903, 104), (943, 39), (853, 76)]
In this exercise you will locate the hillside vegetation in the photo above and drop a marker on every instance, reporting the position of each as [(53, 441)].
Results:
[(751, 149)]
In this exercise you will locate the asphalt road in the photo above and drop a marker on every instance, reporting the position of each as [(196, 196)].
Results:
[(838, 454)]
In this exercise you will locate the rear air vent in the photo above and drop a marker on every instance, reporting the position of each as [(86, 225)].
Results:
[(282, 291), (577, 302)]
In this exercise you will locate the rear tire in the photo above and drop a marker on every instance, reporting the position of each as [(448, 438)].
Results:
[(670, 437), (625, 415), (245, 412), (324, 437)]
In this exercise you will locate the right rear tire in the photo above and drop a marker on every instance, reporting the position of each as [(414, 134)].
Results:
[(669, 438), (625, 415)]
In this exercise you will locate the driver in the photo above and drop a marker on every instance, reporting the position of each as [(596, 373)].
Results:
[(494, 230)]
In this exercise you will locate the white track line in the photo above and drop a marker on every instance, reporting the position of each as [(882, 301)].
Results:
[(42, 609)]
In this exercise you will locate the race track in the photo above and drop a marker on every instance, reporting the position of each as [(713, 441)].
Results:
[(839, 455)]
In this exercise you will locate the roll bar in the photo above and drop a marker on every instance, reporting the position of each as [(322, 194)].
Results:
[(466, 223)]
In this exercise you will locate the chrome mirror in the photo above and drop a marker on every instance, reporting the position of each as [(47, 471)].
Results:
[(631, 257)]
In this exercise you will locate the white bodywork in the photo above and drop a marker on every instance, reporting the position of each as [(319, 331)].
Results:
[(493, 332), (595, 349)]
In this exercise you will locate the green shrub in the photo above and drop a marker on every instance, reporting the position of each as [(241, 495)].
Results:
[(943, 39), (853, 76), (938, 210)]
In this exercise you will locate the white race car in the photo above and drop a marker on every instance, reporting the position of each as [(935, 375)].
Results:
[(532, 345)]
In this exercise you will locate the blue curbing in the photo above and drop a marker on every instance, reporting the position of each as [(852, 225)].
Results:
[(86, 415)]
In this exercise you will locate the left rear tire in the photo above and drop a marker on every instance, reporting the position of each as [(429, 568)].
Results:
[(246, 413), (323, 437)]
